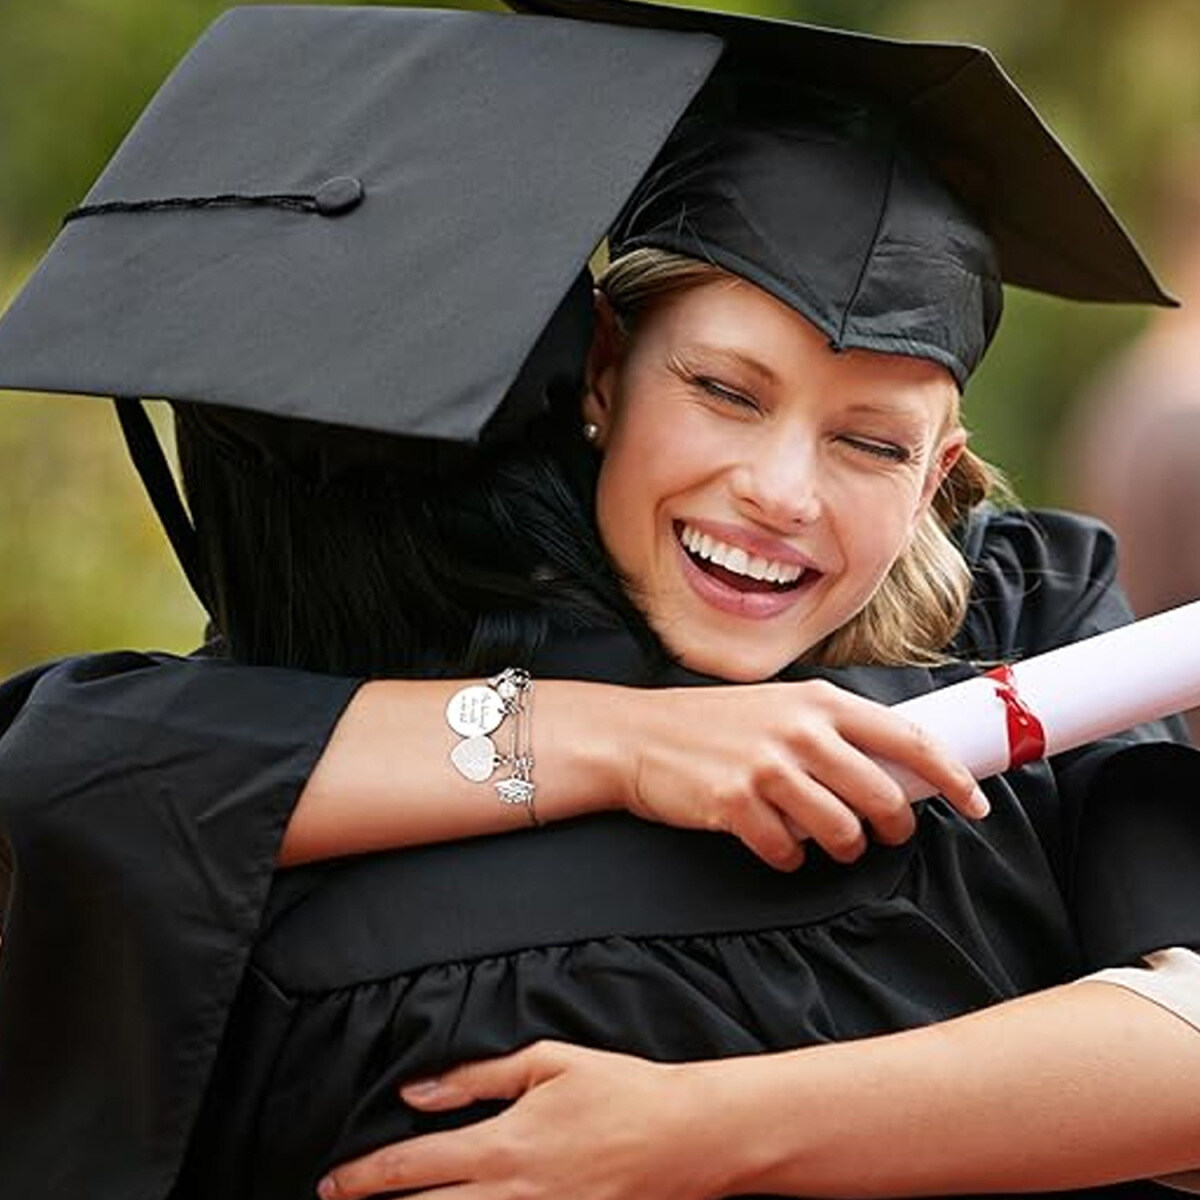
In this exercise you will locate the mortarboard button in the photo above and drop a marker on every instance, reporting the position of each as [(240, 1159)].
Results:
[(339, 195)]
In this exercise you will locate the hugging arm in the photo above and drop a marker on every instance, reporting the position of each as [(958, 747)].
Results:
[(1081, 1085), (768, 763)]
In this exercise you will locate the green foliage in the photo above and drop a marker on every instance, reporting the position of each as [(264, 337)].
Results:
[(82, 563)]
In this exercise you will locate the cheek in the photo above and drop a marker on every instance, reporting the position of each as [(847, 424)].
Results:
[(876, 521), (658, 451), (610, 516), (626, 493)]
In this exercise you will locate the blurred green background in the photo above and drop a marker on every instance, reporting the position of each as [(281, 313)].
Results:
[(82, 563)]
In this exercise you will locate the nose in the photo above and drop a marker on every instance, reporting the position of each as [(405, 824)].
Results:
[(778, 481)]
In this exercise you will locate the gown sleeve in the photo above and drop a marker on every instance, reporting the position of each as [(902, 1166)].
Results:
[(1124, 834), (1040, 579), (143, 799)]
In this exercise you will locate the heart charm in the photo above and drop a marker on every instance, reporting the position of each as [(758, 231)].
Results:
[(474, 758)]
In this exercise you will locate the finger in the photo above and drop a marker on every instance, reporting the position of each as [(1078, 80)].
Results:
[(832, 824), (436, 1160), (766, 831), (861, 785), (502, 1078), (883, 734), (797, 830)]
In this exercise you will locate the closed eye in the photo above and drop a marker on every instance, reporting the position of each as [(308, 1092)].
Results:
[(889, 451), (727, 395)]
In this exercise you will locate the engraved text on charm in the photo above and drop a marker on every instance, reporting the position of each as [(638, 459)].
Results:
[(474, 710), (475, 757)]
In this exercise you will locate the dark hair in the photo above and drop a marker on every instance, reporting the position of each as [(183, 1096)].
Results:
[(401, 559)]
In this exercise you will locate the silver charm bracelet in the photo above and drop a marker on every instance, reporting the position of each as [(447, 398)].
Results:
[(475, 712)]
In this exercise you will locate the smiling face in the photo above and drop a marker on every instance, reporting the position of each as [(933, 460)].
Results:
[(756, 486)]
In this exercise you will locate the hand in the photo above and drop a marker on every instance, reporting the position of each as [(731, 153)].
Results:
[(586, 1124), (775, 763)]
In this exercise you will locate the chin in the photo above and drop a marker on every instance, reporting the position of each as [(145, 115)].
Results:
[(731, 663)]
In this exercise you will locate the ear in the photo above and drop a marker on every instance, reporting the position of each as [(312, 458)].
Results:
[(948, 452), (603, 364)]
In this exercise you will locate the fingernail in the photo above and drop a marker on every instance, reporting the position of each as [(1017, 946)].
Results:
[(420, 1088), (978, 804), (327, 1189)]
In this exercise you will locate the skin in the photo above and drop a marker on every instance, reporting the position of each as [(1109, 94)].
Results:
[(775, 440), (729, 413)]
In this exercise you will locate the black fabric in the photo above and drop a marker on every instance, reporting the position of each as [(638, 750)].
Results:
[(1144, 798), (971, 125), (900, 265), (493, 153), (144, 798), (142, 929), (150, 462)]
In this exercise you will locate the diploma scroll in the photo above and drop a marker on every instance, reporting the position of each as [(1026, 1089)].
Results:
[(1064, 698)]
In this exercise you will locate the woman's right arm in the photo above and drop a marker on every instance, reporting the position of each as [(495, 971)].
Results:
[(770, 764)]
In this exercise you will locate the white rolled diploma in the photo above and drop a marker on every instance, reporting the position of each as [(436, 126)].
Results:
[(1081, 692)]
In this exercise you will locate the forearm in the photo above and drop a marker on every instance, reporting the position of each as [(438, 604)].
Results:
[(1075, 1086), (770, 764), (385, 779)]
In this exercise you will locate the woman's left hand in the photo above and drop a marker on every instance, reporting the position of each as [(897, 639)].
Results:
[(585, 1124)]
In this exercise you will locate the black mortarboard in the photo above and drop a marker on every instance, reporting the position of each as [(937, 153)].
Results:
[(367, 216), (955, 106), (359, 216), (882, 189), (364, 216), (901, 268)]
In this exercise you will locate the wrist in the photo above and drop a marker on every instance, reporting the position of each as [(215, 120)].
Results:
[(582, 747), (721, 1108)]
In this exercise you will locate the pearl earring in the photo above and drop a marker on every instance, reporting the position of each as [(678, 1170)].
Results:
[(591, 431)]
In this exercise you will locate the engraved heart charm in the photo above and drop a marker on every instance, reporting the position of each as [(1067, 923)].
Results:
[(475, 758)]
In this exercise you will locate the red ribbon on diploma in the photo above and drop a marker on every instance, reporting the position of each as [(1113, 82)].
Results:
[(1026, 737)]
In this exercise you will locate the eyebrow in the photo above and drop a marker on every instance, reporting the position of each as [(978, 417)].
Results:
[(736, 357), (886, 408)]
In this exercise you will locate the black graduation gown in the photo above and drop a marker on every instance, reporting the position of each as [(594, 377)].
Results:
[(175, 1021)]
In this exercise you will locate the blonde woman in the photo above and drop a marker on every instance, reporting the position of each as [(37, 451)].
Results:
[(651, 640)]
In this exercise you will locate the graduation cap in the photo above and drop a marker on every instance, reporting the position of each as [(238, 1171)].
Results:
[(954, 105), (381, 218), (358, 216)]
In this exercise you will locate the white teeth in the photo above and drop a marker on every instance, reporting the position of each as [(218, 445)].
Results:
[(737, 560)]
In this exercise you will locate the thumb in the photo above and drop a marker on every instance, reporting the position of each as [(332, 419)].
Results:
[(503, 1078)]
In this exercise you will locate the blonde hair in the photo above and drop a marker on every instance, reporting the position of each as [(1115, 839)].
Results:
[(921, 603)]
